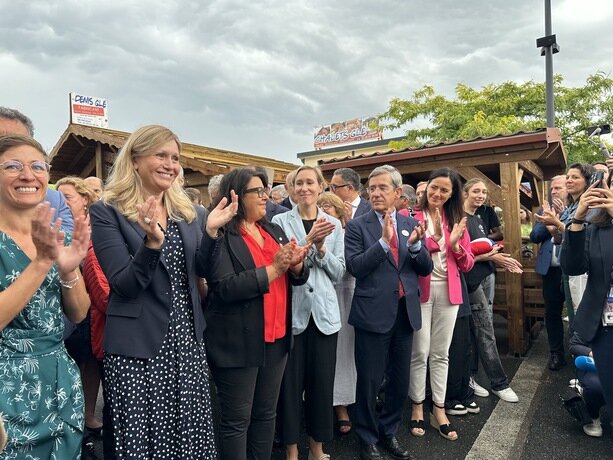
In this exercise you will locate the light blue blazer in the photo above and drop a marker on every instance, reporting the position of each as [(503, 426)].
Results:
[(317, 296)]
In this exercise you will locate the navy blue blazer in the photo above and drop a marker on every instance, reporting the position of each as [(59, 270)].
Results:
[(590, 250), (375, 299), (362, 208), (272, 209), (541, 235), (140, 298)]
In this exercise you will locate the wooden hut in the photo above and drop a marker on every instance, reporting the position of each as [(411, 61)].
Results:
[(503, 162)]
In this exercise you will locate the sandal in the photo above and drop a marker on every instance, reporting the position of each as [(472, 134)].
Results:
[(443, 430), (343, 427), (415, 425), (323, 456)]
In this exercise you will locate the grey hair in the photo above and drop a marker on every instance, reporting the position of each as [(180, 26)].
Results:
[(349, 176), (13, 114), (409, 192), (387, 169), (281, 189), (213, 187)]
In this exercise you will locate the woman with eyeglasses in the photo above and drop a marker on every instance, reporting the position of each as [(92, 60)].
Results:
[(42, 400), (249, 316), (149, 245), (315, 321), (345, 375)]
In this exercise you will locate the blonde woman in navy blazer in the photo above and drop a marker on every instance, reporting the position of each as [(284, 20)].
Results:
[(316, 319)]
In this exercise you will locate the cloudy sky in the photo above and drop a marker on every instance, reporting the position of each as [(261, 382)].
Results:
[(258, 76)]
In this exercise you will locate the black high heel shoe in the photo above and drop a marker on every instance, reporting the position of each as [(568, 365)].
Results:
[(415, 425), (443, 430)]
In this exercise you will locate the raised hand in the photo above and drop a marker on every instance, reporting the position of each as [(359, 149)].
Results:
[(69, 257), (387, 231), (437, 222), (557, 205), (320, 230), (148, 218), (595, 198), (457, 232), (507, 262), (348, 210), (418, 233), (222, 214), (45, 236)]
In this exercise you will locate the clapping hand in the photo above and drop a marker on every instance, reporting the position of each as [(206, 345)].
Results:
[(457, 232), (320, 230), (222, 214), (148, 218), (49, 240), (418, 233)]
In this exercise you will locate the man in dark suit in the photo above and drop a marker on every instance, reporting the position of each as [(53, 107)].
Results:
[(290, 201), (345, 184), (548, 266), (384, 252)]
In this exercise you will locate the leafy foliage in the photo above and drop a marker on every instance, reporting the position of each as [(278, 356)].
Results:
[(504, 108)]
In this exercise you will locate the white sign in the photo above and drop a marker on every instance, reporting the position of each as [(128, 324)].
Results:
[(88, 111)]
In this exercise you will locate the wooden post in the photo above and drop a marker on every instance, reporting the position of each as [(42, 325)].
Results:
[(99, 162), (509, 179)]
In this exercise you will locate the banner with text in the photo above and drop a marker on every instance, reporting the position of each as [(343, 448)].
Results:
[(356, 130), (88, 111)]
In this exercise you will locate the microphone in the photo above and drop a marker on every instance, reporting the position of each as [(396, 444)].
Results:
[(585, 363)]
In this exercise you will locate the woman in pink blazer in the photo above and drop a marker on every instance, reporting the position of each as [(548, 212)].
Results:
[(441, 294)]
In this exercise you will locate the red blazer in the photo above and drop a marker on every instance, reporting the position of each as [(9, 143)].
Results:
[(456, 263), (98, 289)]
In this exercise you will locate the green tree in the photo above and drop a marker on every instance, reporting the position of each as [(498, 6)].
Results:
[(504, 108)]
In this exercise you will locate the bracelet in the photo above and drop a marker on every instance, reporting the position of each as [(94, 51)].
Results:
[(70, 284), (577, 221)]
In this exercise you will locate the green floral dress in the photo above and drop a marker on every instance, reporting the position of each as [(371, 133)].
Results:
[(41, 400)]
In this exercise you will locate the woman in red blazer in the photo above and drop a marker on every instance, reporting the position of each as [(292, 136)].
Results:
[(441, 293)]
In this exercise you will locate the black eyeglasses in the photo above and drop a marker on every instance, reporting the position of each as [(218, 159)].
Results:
[(259, 190), (14, 167), (334, 188)]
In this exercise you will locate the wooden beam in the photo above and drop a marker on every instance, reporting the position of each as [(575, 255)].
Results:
[(531, 167), (493, 189), (89, 167), (77, 158), (509, 178)]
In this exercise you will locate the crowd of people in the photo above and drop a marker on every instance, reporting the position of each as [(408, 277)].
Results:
[(305, 301)]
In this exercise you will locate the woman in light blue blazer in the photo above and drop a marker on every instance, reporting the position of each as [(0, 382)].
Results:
[(315, 320)]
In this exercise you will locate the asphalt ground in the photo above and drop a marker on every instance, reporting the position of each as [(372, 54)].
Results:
[(538, 427)]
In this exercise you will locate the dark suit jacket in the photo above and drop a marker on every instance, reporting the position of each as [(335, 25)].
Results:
[(235, 310), (362, 208), (201, 214), (375, 300), (286, 203), (140, 299), (591, 251), (541, 235), (272, 209)]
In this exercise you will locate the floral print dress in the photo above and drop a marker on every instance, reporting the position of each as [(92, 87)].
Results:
[(41, 400)]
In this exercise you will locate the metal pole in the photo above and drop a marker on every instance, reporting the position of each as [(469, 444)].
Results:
[(549, 69)]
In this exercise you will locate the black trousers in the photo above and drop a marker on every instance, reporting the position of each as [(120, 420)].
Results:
[(248, 400), (310, 370), (553, 295), (458, 376), (376, 355)]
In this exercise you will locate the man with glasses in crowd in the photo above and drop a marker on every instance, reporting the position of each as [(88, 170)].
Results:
[(345, 184)]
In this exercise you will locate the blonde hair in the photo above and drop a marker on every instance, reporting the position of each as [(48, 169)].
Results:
[(81, 187), (315, 169), (332, 199), (124, 188)]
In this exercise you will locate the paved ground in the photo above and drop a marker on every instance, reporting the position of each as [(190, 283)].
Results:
[(536, 428)]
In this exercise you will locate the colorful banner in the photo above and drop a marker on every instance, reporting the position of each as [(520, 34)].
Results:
[(88, 111), (356, 130)]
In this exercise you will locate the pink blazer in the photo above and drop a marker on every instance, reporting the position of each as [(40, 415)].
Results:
[(456, 263)]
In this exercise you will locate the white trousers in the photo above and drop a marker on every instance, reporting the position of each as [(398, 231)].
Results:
[(432, 343)]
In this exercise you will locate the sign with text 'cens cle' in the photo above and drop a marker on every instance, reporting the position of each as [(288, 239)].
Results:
[(88, 110)]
